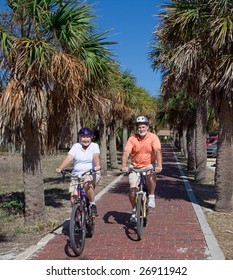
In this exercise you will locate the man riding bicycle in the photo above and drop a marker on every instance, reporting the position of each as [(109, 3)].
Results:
[(145, 150)]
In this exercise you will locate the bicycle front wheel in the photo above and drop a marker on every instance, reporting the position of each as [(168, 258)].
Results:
[(140, 218), (77, 228)]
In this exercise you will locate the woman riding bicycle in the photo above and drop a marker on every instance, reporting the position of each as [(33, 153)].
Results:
[(86, 155), (145, 149)]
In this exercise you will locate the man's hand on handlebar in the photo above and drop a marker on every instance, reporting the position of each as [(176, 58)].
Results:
[(97, 168), (125, 169), (158, 169)]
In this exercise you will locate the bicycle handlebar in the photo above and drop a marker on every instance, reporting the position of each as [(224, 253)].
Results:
[(146, 172), (88, 172)]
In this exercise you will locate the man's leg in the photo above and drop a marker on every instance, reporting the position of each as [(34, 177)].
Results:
[(133, 183), (132, 195), (151, 184), (133, 180)]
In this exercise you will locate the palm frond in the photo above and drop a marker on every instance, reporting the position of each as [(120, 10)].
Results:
[(11, 104), (221, 34), (69, 24), (6, 41), (68, 71)]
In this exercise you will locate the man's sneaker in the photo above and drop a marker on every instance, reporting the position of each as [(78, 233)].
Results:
[(133, 219), (94, 210), (151, 202)]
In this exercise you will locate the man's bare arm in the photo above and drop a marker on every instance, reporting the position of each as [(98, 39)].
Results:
[(159, 160), (124, 161)]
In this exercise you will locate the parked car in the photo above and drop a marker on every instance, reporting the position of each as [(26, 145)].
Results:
[(211, 139), (212, 150)]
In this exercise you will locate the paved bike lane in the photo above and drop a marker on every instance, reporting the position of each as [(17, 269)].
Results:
[(177, 229)]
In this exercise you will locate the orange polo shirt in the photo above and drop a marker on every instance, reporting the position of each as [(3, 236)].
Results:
[(142, 150)]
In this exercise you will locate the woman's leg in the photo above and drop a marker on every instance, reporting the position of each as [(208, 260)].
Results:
[(89, 187)]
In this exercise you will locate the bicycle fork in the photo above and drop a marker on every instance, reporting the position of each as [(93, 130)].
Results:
[(144, 204)]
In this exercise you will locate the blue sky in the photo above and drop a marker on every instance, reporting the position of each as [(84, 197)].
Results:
[(131, 23)]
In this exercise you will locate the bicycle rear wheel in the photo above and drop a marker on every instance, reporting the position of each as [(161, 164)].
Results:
[(77, 228), (140, 219)]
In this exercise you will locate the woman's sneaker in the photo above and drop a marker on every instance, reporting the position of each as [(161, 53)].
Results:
[(94, 210)]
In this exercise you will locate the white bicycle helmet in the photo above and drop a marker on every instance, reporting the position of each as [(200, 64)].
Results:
[(142, 119)]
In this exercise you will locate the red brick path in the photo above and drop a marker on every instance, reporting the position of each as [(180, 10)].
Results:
[(173, 232)]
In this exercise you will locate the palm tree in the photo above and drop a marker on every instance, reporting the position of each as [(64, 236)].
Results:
[(179, 112), (114, 117), (43, 43), (199, 37), (99, 104), (128, 84), (220, 38), (179, 53)]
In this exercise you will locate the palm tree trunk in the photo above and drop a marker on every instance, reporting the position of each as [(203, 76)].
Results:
[(125, 135), (191, 147), (224, 162), (181, 142), (184, 140), (200, 149), (176, 140), (103, 146), (112, 145), (32, 173), (76, 126)]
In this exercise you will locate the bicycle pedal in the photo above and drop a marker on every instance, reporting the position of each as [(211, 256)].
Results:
[(94, 215)]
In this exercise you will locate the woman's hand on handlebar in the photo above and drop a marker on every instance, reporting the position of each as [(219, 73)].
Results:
[(58, 170)]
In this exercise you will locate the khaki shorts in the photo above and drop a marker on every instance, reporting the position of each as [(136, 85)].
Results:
[(95, 178), (134, 178)]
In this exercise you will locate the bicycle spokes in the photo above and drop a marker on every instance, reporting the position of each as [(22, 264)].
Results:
[(139, 216), (77, 229)]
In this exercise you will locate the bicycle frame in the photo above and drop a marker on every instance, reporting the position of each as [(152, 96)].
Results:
[(78, 181), (141, 185), (79, 189)]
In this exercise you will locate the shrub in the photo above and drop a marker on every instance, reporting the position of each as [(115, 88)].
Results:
[(13, 207)]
